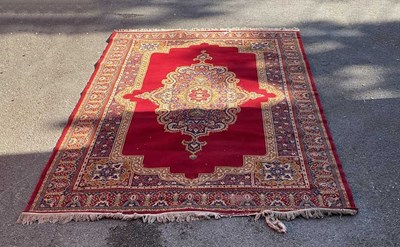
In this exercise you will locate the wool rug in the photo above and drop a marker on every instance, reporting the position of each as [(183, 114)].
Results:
[(178, 125)]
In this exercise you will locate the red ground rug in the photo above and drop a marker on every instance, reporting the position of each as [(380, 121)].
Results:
[(180, 125)]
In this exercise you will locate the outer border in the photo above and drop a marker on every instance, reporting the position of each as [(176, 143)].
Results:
[(325, 122), (70, 120)]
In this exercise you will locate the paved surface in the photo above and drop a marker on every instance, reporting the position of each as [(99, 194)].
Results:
[(47, 53)]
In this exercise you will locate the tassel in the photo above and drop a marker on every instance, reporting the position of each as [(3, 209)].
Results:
[(275, 224)]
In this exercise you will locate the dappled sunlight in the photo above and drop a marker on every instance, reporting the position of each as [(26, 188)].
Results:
[(342, 32), (371, 79), (100, 15), (324, 47), (74, 16), (354, 62), (374, 94)]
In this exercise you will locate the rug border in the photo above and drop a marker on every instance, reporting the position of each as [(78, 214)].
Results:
[(325, 122), (70, 120), (286, 215)]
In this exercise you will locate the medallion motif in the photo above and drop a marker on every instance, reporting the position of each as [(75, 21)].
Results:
[(197, 100)]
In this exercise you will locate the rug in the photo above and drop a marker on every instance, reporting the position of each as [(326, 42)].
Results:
[(179, 125)]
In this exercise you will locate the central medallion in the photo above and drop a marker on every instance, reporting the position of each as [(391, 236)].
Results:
[(197, 100)]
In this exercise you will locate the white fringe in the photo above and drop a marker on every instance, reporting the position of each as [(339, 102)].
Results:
[(27, 218), (272, 218)]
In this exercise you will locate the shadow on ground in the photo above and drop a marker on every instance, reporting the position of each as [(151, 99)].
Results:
[(98, 15), (356, 68)]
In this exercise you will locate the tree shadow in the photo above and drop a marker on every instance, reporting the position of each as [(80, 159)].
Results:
[(356, 68), (350, 54), (98, 15)]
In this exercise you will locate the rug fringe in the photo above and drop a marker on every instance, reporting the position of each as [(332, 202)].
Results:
[(230, 29), (27, 218), (308, 213), (272, 218)]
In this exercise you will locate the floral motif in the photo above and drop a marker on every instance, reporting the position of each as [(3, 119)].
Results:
[(149, 46), (280, 172), (108, 171), (277, 171), (260, 45)]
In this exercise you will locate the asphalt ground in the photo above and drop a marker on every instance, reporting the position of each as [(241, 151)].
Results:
[(47, 52)]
